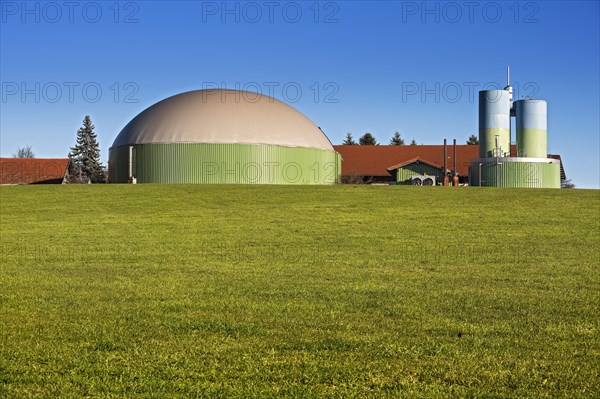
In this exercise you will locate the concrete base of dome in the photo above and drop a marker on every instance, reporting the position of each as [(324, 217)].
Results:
[(182, 163)]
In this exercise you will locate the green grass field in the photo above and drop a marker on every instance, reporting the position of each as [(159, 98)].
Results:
[(250, 291)]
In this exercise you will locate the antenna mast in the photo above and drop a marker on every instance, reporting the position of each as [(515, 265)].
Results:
[(508, 87)]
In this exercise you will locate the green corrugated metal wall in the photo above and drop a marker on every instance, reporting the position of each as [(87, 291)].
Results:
[(405, 173), (516, 174), (225, 163)]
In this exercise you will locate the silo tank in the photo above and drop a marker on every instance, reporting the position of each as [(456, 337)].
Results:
[(532, 131), (494, 123)]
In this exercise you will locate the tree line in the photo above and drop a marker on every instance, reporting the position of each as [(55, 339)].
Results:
[(369, 139)]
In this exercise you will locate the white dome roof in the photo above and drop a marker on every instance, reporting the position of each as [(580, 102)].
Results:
[(224, 117)]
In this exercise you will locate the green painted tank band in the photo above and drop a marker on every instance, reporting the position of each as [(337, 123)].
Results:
[(533, 131), (224, 164), (532, 143), (487, 141)]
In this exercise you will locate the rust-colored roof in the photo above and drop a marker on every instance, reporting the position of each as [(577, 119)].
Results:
[(33, 170), (375, 160)]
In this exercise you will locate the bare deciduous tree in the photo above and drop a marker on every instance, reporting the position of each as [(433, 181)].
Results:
[(24, 152)]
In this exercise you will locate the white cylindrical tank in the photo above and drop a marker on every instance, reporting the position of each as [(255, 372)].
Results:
[(532, 130), (494, 123)]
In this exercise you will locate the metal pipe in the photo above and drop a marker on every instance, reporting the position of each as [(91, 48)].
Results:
[(497, 179), (130, 177), (445, 163), (454, 156), (479, 174)]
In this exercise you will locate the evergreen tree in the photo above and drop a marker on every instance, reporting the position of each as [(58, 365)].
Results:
[(367, 139), (413, 142), (472, 140), (397, 139), (85, 155), (349, 140)]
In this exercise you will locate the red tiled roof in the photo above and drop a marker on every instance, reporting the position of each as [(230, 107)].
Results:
[(33, 170), (375, 160)]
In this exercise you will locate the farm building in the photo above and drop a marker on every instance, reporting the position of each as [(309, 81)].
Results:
[(397, 164), (34, 170), (222, 136)]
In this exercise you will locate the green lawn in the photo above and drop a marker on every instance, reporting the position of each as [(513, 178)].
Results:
[(255, 291)]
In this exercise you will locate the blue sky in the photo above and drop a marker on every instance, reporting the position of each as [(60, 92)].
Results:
[(350, 66)]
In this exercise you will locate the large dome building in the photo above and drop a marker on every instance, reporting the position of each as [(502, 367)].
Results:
[(222, 136)]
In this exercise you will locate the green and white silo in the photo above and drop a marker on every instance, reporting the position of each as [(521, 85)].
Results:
[(495, 166), (532, 133), (494, 123)]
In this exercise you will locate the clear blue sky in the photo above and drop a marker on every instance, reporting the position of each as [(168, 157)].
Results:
[(360, 66)]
